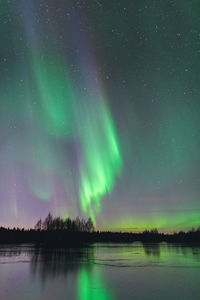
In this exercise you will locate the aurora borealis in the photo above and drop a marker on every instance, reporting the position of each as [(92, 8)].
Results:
[(99, 112)]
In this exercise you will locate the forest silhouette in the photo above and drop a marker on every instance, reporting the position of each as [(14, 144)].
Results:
[(58, 232)]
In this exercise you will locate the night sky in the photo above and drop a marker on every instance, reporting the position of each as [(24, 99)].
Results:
[(99, 112)]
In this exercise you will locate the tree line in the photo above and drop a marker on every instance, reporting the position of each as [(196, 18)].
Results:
[(51, 223), (56, 232)]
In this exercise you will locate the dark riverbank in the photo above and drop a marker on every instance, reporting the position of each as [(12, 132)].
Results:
[(74, 238)]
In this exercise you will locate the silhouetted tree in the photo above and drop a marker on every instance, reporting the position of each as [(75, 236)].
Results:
[(67, 224), (78, 224), (48, 222), (154, 231), (82, 225), (58, 223), (38, 225), (89, 226)]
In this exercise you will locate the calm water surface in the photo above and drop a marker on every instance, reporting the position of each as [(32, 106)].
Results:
[(102, 272)]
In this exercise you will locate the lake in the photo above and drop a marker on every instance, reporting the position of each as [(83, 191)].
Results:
[(101, 272)]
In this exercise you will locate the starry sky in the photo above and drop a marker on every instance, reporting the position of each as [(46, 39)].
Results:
[(99, 112)]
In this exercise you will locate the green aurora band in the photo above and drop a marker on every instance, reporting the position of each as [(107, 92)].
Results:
[(55, 95), (93, 125), (102, 159)]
